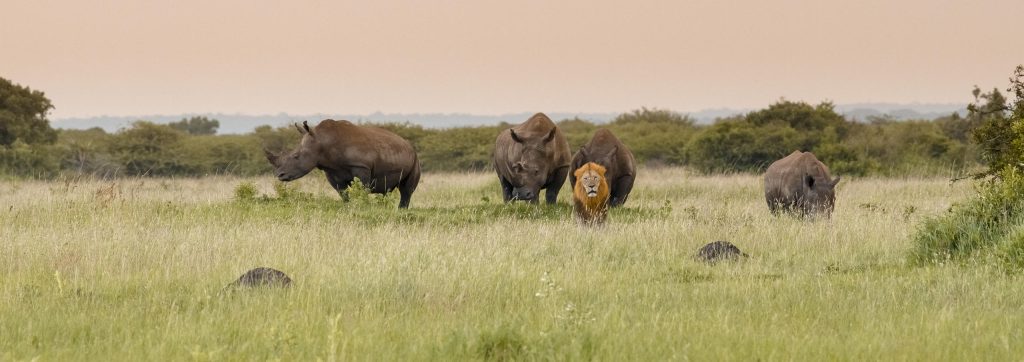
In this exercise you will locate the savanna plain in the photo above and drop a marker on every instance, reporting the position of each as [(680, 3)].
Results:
[(135, 269)]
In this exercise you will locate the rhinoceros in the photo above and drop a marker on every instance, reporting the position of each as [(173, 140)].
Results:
[(380, 159), (606, 150), (800, 183), (529, 157)]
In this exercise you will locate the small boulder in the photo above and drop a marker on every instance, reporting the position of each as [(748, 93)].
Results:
[(262, 277), (718, 251)]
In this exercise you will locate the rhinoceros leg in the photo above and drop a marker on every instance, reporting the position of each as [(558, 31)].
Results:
[(407, 187), (620, 189), (338, 180), (553, 187), (506, 189)]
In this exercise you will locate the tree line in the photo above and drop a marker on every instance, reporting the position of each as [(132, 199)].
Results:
[(29, 147)]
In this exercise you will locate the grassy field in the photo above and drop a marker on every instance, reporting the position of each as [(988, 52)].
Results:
[(135, 270)]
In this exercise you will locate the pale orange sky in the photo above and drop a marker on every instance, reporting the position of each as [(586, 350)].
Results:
[(492, 57)]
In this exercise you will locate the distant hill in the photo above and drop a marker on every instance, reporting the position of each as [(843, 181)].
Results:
[(865, 111), (243, 123)]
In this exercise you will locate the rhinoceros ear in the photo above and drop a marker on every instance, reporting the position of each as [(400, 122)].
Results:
[(551, 135), (835, 181), (514, 136), (809, 180), (301, 131), (305, 125)]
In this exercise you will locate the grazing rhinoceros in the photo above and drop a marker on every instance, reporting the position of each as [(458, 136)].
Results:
[(529, 157), (606, 150), (380, 159), (800, 183)]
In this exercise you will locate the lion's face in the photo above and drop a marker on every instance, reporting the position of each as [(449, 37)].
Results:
[(590, 194), (591, 182)]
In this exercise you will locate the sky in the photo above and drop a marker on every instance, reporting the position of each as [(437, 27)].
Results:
[(122, 58)]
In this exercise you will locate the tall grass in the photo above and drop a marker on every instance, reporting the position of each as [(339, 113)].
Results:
[(987, 225), (133, 270)]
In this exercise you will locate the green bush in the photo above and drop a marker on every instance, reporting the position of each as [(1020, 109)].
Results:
[(86, 152), (752, 142), (1000, 130), (655, 136), (983, 223), (737, 145), (148, 149), (24, 160), (278, 139), (458, 149), (577, 131), (893, 148), (227, 154), (246, 191), (359, 195)]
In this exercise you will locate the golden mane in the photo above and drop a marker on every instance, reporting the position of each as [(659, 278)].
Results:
[(590, 210)]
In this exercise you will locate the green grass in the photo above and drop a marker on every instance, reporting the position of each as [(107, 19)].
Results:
[(134, 270)]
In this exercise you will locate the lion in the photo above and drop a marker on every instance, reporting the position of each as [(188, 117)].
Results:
[(590, 194)]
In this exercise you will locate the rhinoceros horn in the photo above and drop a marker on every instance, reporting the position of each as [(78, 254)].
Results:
[(270, 156)]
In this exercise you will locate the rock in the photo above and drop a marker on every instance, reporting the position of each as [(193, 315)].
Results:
[(718, 251), (262, 277)]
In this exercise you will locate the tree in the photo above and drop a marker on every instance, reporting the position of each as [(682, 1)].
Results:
[(23, 115), (196, 125), (1000, 130), (653, 115), (148, 149), (735, 144), (655, 136), (754, 141)]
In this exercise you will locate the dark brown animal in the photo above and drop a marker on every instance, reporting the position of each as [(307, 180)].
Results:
[(380, 159), (529, 157), (800, 183), (718, 251), (606, 150), (262, 277)]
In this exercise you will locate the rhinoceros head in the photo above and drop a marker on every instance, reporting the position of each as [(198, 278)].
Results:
[(530, 171), (819, 195), (297, 163)]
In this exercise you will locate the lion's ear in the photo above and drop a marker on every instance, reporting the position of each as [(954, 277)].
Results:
[(579, 172)]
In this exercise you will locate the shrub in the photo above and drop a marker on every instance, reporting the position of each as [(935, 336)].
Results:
[(149, 149), (245, 191), (21, 159), (737, 145), (85, 152), (983, 223), (458, 149), (1000, 130), (654, 135)]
